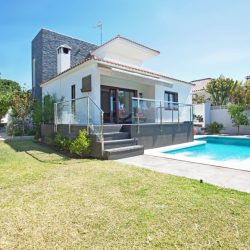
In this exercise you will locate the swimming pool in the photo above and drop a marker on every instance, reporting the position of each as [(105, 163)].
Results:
[(218, 148), (222, 151)]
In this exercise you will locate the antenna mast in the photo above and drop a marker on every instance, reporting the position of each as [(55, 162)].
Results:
[(99, 26)]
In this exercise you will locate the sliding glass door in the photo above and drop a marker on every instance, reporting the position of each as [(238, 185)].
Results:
[(117, 104)]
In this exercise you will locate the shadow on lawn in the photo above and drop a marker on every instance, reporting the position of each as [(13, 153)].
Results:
[(38, 151)]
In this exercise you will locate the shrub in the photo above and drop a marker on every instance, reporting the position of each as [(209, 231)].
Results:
[(198, 118), (214, 128), (43, 112), (62, 143), (238, 116), (14, 128), (10, 129), (81, 145)]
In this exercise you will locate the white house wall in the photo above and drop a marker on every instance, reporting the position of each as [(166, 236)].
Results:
[(184, 96), (61, 86), (149, 88)]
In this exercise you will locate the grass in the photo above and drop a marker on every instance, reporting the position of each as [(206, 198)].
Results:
[(50, 202)]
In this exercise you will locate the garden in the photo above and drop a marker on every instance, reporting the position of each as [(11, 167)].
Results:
[(50, 201), (223, 94)]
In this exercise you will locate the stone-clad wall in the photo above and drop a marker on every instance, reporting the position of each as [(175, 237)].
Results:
[(37, 54), (44, 47)]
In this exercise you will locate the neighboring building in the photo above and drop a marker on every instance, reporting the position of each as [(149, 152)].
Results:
[(198, 89), (44, 56)]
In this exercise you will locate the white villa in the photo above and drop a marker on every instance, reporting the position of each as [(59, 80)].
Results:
[(112, 75), (106, 90)]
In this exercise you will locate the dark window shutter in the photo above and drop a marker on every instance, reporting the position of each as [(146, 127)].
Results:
[(86, 84)]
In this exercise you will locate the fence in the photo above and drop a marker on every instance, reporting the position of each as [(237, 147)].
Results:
[(81, 111), (84, 111), (218, 107), (219, 114), (160, 112)]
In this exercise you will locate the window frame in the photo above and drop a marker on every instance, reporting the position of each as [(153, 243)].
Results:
[(73, 97), (73, 92), (175, 96)]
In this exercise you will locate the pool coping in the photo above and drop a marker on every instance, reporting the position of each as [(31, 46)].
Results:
[(158, 152)]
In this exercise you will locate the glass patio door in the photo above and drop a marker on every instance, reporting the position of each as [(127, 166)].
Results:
[(117, 104), (125, 105)]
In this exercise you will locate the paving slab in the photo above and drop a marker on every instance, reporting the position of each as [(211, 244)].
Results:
[(219, 176)]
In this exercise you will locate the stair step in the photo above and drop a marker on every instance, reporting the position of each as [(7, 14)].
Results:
[(123, 152), (115, 136), (108, 128), (119, 143), (112, 128)]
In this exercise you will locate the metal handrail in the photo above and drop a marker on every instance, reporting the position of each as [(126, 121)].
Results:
[(88, 116), (79, 98), (96, 104), (160, 105), (154, 100), (101, 117)]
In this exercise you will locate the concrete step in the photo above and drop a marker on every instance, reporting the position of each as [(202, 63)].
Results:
[(120, 143), (115, 136), (108, 128), (123, 152), (112, 128)]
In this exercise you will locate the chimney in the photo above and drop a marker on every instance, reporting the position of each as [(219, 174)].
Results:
[(63, 58), (248, 78)]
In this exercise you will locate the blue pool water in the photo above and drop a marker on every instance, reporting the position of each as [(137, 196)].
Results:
[(217, 148)]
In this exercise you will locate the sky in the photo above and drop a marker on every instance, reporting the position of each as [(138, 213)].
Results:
[(197, 38)]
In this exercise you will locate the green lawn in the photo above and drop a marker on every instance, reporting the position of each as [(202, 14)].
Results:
[(51, 202)]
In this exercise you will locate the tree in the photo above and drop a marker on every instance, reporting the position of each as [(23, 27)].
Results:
[(241, 94), (7, 88), (247, 95), (43, 112), (37, 117), (21, 105), (220, 90), (238, 116), (48, 108), (198, 99)]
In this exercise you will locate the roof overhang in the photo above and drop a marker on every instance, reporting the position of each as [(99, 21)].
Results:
[(138, 71), (120, 47), (153, 79), (118, 67)]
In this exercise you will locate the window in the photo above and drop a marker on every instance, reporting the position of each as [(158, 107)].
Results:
[(170, 98), (65, 50), (73, 97), (73, 92)]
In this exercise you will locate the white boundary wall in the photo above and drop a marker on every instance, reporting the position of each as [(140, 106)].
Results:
[(220, 115)]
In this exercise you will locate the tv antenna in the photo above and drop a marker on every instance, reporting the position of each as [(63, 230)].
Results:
[(99, 26)]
